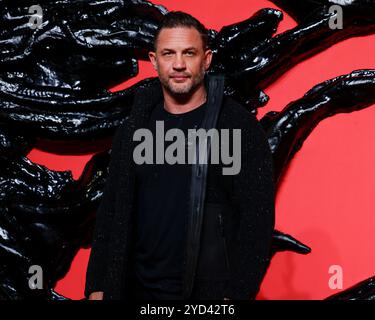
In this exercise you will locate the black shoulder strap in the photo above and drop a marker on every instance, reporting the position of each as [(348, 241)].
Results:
[(199, 181)]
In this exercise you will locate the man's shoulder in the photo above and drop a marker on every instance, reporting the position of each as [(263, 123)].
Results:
[(235, 113)]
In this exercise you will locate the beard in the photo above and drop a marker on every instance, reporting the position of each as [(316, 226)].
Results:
[(184, 88)]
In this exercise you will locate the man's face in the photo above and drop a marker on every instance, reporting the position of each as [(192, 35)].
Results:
[(180, 59)]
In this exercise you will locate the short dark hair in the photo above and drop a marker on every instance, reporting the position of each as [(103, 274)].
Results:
[(175, 19)]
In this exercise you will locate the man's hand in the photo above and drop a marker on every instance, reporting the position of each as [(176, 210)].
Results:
[(96, 295)]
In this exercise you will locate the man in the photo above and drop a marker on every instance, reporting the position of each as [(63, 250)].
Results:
[(183, 230)]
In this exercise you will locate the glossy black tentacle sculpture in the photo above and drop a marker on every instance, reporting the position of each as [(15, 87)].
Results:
[(83, 48), (286, 130), (80, 28), (45, 218), (285, 242), (30, 58), (73, 116), (364, 290), (252, 68), (53, 85)]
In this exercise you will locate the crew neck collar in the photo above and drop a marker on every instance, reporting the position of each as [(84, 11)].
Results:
[(183, 113)]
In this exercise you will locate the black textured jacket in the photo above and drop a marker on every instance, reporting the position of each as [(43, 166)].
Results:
[(238, 218)]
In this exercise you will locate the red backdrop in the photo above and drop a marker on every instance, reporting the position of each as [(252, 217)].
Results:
[(326, 198)]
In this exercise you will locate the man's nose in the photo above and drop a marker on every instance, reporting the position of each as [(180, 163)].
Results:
[(179, 62)]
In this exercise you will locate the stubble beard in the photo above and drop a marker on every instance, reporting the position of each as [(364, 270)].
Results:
[(183, 88)]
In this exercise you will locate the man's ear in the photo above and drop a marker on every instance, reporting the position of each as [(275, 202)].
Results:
[(207, 58), (152, 56)]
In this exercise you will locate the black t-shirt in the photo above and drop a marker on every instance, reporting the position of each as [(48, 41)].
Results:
[(162, 206)]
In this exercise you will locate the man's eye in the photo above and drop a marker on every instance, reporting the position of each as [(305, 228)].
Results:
[(190, 53), (167, 53)]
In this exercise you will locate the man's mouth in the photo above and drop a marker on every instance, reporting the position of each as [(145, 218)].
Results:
[(179, 77)]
